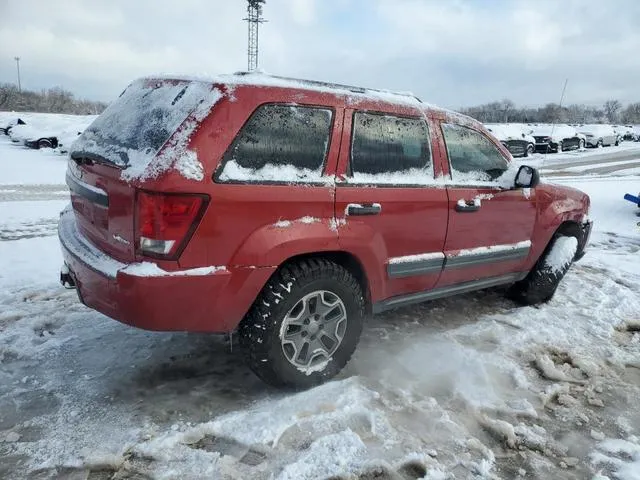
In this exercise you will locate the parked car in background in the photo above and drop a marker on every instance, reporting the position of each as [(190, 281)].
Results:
[(6, 129), (557, 138), (514, 138), (57, 132), (599, 135), (629, 132), (152, 237), (620, 132)]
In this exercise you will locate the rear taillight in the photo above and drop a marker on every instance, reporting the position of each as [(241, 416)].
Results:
[(166, 221)]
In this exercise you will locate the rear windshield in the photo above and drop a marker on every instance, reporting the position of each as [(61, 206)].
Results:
[(134, 127)]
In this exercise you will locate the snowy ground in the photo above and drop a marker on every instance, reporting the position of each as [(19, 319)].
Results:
[(470, 387)]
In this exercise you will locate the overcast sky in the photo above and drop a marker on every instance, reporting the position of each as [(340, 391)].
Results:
[(450, 52)]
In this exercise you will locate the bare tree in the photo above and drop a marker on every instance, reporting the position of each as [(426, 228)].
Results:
[(507, 111), (612, 110), (631, 114), (54, 100)]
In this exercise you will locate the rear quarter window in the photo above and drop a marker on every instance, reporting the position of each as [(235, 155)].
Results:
[(279, 143)]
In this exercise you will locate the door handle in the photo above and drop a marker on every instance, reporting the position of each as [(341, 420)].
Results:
[(467, 207), (357, 209)]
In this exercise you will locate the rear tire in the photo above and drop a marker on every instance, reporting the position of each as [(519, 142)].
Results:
[(541, 283), (284, 319), (529, 151), (45, 143)]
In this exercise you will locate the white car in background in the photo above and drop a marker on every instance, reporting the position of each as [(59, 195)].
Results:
[(557, 138), (599, 135), (513, 136)]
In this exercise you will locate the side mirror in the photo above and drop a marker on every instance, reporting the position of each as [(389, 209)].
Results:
[(527, 177)]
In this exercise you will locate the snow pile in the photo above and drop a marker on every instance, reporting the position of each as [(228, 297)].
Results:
[(622, 457), (233, 172), (561, 254), (413, 176), (417, 258), (307, 220), (148, 269), (189, 166), (495, 248), (482, 179)]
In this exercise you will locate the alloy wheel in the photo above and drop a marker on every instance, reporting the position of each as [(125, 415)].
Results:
[(313, 329)]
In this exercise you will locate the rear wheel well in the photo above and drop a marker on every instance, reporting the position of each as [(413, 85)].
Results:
[(345, 260)]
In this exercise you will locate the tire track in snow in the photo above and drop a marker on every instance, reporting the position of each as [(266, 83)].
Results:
[(40, 228)]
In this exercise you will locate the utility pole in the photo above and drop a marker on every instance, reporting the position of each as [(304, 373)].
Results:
[(17, 59), (254, 19)]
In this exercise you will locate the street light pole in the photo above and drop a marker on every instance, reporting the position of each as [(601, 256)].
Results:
[(17, 59)]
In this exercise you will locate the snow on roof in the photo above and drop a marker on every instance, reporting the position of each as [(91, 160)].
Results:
[(598, 129), (557, 130), (507, 131), (355, 94)]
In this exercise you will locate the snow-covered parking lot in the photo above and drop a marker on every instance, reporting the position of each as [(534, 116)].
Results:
[(469, 387)]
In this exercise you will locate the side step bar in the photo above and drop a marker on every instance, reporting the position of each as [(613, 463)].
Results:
[(448, 291)]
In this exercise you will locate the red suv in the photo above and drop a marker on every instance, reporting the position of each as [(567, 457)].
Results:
[(289, 210)]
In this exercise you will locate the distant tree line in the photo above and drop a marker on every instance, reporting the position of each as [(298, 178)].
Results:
[(506, 111), (53, 100)]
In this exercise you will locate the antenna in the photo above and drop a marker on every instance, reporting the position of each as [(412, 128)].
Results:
[(254, 19), (17, 59), (553, 125)]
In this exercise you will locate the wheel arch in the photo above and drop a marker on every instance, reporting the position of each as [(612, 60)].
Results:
[(343, 258), (567, 228)]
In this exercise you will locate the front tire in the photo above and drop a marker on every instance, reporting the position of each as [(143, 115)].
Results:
[(305, 324), (541, 283)]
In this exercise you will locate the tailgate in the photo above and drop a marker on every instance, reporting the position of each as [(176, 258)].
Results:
[(104, 208)]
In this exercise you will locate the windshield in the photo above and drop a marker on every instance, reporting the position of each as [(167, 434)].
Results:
[(134, 127)]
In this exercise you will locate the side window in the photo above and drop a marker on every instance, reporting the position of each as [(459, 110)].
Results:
[(472, 156), (390, 150), (279, 143)]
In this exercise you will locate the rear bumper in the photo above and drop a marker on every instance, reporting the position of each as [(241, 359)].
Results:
[(585, 234), (201, 300)]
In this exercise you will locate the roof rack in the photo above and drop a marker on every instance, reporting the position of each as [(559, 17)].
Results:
[(340, 86)]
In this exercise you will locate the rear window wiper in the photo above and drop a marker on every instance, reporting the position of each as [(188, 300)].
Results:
[(88, 158)]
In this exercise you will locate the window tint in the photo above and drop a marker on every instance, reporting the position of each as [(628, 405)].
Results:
[(388, 149), (280, 143), (472, 156)]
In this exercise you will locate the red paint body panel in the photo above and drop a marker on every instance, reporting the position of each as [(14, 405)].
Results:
[(210, 303), (413, 221), (252, 229)]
